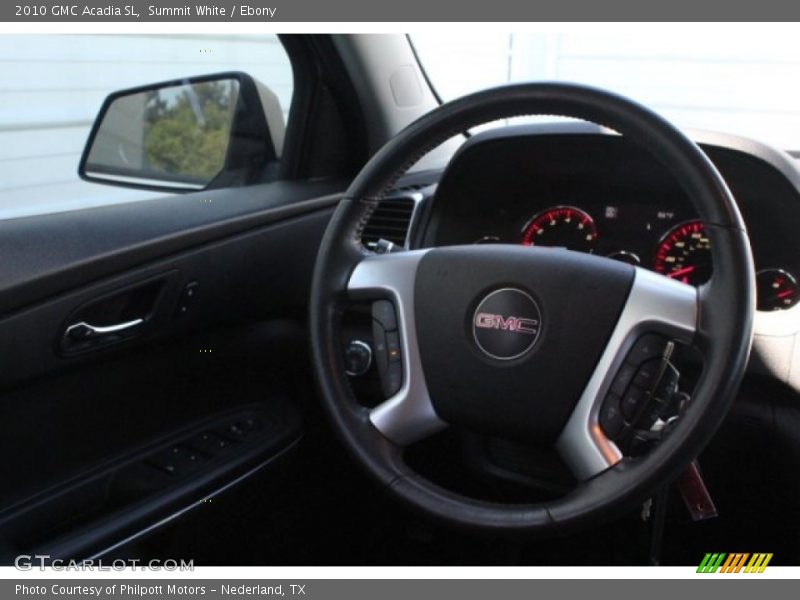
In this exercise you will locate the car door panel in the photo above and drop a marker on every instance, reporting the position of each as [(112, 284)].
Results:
[(93, 472), (266, 270), (84, 416)]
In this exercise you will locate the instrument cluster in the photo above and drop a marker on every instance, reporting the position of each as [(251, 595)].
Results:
[(655, 238), (602, 194)]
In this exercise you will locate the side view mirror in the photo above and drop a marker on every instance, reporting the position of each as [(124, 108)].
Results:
[(184, 135)]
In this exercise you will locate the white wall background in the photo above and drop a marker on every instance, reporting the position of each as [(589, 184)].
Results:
[(51, 87), (714, 78)]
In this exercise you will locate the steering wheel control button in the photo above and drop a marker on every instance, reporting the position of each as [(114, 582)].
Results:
[(646, 374), (393, 346), (386, 342), (647, 347), (632, 403), (611, 419), (623, 379), (383, 313), (638, 396), (506, 324), (357, 358), (393, 379)]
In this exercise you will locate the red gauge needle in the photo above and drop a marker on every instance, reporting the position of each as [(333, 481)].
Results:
[(785, 294), (679, 272)]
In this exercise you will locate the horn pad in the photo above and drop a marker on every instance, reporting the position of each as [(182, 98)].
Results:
[(509, 336)]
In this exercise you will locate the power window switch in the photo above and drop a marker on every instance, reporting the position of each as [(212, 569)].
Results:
[(249, 424), (228, 436), (235, 431), (210, 442), (169, 468), (177, 460)]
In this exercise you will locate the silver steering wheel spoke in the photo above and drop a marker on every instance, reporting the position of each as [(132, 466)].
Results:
[(407, 416), (655, 304)]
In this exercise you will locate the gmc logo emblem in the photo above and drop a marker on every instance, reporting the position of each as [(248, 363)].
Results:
[(517, 324)]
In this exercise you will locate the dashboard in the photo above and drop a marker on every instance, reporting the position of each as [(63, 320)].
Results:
[(595, 192)]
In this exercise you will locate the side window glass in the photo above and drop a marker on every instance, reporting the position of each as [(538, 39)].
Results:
[(59, 83)]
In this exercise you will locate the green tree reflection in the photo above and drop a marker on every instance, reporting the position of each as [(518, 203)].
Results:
[(186, 132)]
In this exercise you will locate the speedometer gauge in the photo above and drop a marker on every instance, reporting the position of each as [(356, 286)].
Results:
[(562, 226), (776, 289), (684, 254)]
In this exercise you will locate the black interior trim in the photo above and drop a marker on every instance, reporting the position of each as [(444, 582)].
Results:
[(48, 254), (325, 133), (130, 494), (282, 255)]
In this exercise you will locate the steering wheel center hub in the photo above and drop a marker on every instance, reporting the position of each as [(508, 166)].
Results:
[(506, 323), (509, 335)]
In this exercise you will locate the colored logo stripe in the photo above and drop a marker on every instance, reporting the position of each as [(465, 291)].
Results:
[(734, 563), (710, 563), (759, 562)]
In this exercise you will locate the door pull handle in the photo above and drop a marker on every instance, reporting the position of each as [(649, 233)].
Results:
[(84, 331)]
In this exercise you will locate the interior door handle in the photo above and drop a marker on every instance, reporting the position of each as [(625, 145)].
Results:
[(83, 330)]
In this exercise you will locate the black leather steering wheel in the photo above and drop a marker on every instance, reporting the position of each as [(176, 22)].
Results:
[(556, 316)]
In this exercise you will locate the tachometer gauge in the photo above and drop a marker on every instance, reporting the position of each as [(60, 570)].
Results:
[(562, 226), (776, 289), (684, 254)]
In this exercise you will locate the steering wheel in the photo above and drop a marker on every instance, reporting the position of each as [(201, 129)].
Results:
[(529, 342)]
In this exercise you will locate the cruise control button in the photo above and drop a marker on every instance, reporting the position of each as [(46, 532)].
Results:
[(646, 347), (646, 375), (611, 417), (623, 379), (632, 402)]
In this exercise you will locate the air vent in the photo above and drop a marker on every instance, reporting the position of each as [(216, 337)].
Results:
[(390, 221)]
